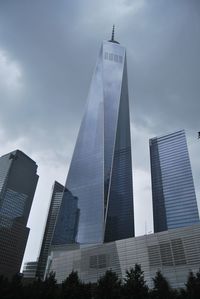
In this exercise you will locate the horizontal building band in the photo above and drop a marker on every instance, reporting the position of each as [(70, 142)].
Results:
[(175, 252)]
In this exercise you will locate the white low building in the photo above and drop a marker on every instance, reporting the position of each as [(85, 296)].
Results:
[(174, 253)]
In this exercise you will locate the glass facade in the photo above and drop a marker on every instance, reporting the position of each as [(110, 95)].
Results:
[(29, 270), (174, 199), (55, 203), (67, 222), (13, 204), (18, 181), (99, 182)]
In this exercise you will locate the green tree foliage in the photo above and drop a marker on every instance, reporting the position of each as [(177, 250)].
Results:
[(34, 289), (39, 289), (73, 288), (4, 287), (162, 289), (12, 289), (50, 288), (181, 294), (193, 286), (108, 286), (134, 284)]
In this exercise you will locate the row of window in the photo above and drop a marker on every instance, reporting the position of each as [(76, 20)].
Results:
[(113, 57), (166, 253)]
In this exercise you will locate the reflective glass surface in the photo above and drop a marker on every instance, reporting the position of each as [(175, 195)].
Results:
[(119, 217), (5, 164), (172, 182), (66, 227), (18, 180), (85, 177), (112, 84), (159, 212), (13, 204), (100, 176), (56, 199)]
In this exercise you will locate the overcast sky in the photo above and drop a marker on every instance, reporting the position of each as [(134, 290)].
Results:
[(48, 50)]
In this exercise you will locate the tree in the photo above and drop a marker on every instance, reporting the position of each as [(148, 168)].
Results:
[(108, 286), (198, 283), (15, 288), (38, 289), (135, 285), (182, 294), (86, 290), (190, 286), (34, 289), (4, 286), (73, 288), (50, 288), (193, 286), (162, 289)]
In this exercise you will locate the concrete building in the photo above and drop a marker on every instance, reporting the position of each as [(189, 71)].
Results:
[(175, 252)]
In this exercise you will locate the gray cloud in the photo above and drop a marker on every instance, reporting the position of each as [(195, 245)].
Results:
[(54, 44)]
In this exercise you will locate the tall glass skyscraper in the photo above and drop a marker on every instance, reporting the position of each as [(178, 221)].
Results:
[(56, 198), (100, 197), (18, 181), (174, 199)]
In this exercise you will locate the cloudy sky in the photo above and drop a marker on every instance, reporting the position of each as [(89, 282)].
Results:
[(48, 50)]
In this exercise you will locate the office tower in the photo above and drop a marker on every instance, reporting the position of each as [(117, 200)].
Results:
[(100, 174), (18, 181), (29, 271), (57, 194), (174, 199)]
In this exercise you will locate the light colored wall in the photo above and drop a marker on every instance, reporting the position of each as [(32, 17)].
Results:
[(174, 252)]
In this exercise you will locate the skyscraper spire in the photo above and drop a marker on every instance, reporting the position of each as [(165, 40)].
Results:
[(112, 40), (113, 34)]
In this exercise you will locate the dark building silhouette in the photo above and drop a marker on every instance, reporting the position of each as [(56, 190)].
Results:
[(18, 181)]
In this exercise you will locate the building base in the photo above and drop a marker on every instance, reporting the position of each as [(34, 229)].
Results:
[(174, 253)]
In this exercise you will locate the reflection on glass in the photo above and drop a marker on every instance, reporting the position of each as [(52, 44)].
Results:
[(100, 175), (174, 198), (66, 226)]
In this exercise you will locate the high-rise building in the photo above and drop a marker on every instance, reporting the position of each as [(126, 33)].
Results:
[(99, 181), (173, 192), (57, 194), (18, 181), (29, 271), (97, 206)]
